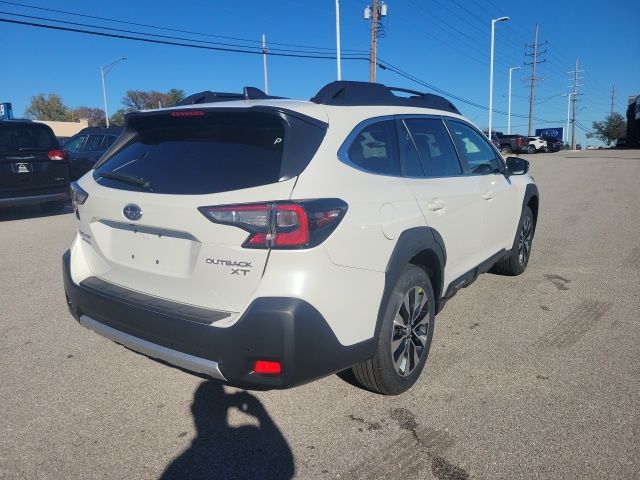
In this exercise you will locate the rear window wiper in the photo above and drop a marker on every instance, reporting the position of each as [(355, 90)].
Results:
[(130, 179)]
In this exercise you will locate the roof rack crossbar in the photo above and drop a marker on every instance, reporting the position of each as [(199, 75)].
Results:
[(350, 93)]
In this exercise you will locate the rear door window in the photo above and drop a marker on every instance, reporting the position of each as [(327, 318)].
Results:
[(411, 164), (209, 153), (26, 137), (107, 141), (434, 146), (75, 144), (375, 148), (93, 143)]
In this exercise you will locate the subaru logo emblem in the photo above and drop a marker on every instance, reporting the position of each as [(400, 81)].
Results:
[(132, 212)]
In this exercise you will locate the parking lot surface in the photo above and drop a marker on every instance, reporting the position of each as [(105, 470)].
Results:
[(536, 376)]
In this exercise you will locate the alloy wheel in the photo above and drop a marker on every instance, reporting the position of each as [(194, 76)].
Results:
[(524, 243), (410, 328)]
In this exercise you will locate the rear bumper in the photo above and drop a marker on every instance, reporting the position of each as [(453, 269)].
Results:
[(33, 199), (288, 330)]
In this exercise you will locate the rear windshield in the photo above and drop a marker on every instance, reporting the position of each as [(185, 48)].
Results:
[(192, 155), (26, 137)]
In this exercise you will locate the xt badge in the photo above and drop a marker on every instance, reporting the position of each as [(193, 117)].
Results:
[(237, 268)]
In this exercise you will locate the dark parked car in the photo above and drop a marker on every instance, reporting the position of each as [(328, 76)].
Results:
[(512, 143), (553, 144), (33, 167), (494, 139), (621, 143), (85, 148)]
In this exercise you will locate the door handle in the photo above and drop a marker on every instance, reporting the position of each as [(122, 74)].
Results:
[(488, 195), (435, 206)]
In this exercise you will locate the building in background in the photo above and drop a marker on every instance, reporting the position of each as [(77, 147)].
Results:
[(66, 129)]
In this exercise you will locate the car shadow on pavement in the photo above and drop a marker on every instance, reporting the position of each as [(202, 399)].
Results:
[(221, 450), (26, 212)]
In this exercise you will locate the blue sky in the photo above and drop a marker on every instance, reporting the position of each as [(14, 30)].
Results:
[(442, 42)]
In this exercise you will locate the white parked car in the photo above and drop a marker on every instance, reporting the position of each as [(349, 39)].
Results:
[(537, 145), (269, 242)]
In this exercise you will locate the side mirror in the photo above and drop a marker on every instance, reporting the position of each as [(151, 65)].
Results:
[(517, 166)]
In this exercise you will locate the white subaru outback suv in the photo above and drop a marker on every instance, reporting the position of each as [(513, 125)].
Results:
[(267, 242)]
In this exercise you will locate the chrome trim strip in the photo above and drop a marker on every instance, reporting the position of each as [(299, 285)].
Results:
[(174, 357)]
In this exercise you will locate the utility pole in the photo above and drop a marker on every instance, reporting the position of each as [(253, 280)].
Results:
[(264, 63), (534, 79), (375, 13), (613, 99), (374, 43), (574, 100)]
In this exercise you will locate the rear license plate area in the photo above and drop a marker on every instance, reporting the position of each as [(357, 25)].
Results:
[(146, 248), (22, 167)]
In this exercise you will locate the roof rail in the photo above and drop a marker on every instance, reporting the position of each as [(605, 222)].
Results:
[(248, 93), (350, 93)]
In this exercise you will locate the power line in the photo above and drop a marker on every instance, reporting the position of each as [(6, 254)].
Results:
[(66, 22), (179, 44), (145, 25), (387, 66), (382, 64)]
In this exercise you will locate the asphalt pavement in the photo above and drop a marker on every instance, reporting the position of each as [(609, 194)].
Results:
[(536, 376)]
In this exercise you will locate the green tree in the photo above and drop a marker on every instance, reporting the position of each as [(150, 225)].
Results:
[(48, 107), (118, 117), (94, 116), (144, 100), (612, 127), (175, 96)]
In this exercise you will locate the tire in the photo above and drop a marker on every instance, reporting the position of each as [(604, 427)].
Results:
[(506, 149), (531, 149), (517, 260), (53, 207), (381, 373)]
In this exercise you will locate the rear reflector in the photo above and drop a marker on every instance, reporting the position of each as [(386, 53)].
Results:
[(281, 225), (187, 113), (57, 155), (267, 367)]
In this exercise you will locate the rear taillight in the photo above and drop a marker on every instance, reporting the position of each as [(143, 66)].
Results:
[(267, 367), (187, 113), (57, 155), (520, 141), (281, 225), (78, 197)]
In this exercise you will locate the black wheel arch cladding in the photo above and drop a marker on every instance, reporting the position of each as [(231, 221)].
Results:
[(532, 200), (414, 246)]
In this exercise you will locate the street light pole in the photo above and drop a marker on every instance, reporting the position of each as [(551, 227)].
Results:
[(338, 39), (509, 109), (493, 27), (103, 73), (565, 137), (264, 64)]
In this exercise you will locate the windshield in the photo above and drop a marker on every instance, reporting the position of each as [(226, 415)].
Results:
[(26, 137)]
